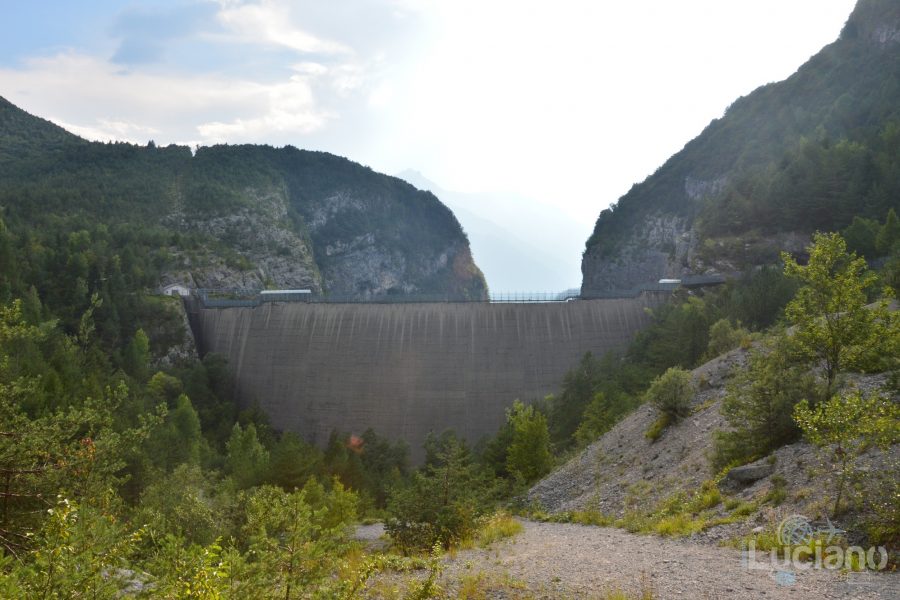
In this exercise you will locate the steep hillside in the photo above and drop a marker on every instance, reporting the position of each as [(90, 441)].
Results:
[(625, 476), (241, 216), (807, 153)]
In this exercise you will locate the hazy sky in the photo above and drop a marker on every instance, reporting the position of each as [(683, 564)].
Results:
[(566, 102)]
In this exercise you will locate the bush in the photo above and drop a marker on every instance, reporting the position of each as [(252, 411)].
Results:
[(723, 336), (528, 456), (845, 426), (671, 393), (442, 502), (759, 404)]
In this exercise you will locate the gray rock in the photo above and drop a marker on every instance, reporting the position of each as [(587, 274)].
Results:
[(750, 473)]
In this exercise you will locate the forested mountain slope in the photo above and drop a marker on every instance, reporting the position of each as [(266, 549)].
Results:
[(236, 216), (808, 153)]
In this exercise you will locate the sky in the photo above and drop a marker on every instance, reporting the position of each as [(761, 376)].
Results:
[(561, 104)]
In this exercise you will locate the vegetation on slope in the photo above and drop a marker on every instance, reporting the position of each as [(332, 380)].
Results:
[(50, 178)]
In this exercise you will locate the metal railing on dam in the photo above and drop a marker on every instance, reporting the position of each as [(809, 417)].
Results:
[(237, 298), (408, 368)]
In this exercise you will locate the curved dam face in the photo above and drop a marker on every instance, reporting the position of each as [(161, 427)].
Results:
[(407, 369)]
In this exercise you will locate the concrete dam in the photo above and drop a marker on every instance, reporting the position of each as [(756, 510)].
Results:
[(407, 369)]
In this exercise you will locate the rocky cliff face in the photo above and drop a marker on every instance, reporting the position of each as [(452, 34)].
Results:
[(369, 263), (299, 219), (668, 225), (248, 248), (660, 249)]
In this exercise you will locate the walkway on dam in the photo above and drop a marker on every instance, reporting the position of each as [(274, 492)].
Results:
[(231, 298)]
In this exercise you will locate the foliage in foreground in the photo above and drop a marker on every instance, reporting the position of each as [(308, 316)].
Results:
[(834, 331), (833, 325), (846, 425), (443, 501), (759, 402), (671, 394)]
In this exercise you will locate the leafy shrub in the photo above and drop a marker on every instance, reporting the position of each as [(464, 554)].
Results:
[(759, 403), (671, 393), (723, 336), (844, 426), (442, 502), (528, 456)]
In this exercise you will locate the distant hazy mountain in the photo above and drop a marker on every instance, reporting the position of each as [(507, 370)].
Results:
[(519, 244)]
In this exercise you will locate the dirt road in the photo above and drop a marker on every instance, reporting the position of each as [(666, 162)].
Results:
[(552, 560)]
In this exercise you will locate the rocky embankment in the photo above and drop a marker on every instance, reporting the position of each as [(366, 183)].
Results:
[(625, 472)]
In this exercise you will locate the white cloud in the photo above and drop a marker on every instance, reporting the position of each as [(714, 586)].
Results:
[(289, 107), (270, 22), (102, 102)]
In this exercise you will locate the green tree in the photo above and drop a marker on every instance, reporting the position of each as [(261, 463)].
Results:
[(442, 501), (723, 336), (293, 462), (181, 503), (759, 403), (889, 234), (8, 264), (671, 393), (861, 236), (79, 552), (246, 460), (295, 547), (601, 414), (845, 426), (567, 407), (528, 457), (137, 356), (77, 450), (385, 464), (833, 325), (179, 439)]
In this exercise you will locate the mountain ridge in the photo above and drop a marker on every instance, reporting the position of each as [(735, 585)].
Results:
[(253, 216), (848, 90)]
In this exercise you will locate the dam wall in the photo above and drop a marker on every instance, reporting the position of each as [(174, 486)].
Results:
[(408, 369)]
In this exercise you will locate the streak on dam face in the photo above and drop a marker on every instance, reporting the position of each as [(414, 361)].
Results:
[(407, 369)]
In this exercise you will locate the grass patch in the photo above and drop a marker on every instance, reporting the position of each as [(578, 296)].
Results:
[(499, 526), (579, 517), (778, 493), (646, 593), (481, 586), (708, 496), (744, 509), (732, 503), (680, 525), (592, 517), (679, 515), (658, 427)]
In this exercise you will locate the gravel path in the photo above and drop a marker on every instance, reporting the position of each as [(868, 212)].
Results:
[(553, 560)]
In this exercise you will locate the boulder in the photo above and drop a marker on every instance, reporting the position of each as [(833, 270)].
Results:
[(749, 473)]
